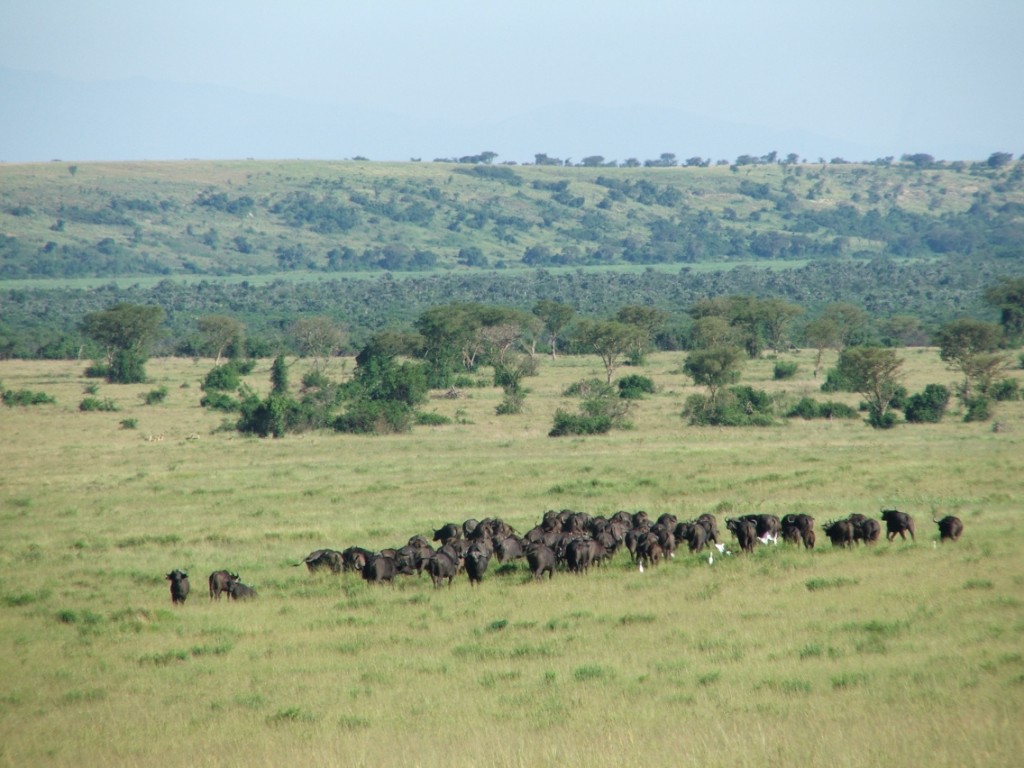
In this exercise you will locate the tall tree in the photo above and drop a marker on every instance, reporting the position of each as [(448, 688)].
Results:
[(608, 339), (875, 373), (1008, 297), (318, 338), (969, 346), (714, 368), (820, 334), (220, 334), (555, 317), (647, 321), (125, 331)]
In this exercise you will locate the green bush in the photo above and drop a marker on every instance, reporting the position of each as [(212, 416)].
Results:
[(927, 406), (223, 378), (579, 424), (95, 404), (375, 417), (735, 407), (129, 423), (979, 408), (220, 401), (784, 370), (589, 388), (809, 408), (836, 382), (432, 419), (1005, 389), (155, 396), (98, 370), (26, 397), (635, 386)]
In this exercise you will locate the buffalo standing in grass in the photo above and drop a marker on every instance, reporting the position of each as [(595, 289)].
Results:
[(744, 530), (220, 582), (541, 559), (950, 528), (324, 558), (477, 559), (897, 522), (179, 586), (840, 533), (798, 528)]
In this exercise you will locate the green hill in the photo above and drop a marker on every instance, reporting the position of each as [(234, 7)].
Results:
[(268, 241), (251, 218)]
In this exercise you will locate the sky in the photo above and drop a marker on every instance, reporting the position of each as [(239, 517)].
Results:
[(395, 79)]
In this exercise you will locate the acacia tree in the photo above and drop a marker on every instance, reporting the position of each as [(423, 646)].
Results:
[(608, 339), (714, 368), (646, 320), (125, 331), (822, 333), (318, 338), (221, 333), (555, 317), (875, 373), (970, 347)]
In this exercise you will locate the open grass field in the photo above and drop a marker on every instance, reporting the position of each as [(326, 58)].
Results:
[(908, 654)]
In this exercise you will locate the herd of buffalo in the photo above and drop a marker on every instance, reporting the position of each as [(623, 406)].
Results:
[(574, 541)]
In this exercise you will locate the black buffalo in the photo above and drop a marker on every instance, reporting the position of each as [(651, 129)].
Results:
[(380, 569), (509, 548), (840, 533), (220, 582), (897, 522), (745, 531), (541, 559), (354, 559), (240, 591), (950, 528), (444, 565), (321, 559), (179, 586), (798, 528), (447, 533), (477, 559)]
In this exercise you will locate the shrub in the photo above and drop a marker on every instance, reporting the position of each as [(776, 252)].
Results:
[(809, 408), (95, 404), (511, 404), (635, 386), (375, 417), (979, 408), (589, 388), (735, 407), (98, 370), (927, 406), (223, 378), (13, 397), (579, 424), (129, 423), (155, 396), (1005, 389), (432, 419), (784, 370), (220, 401), (837, 382), (316, 380)]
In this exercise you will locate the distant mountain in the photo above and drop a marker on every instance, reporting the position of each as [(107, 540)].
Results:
[(49, 117)]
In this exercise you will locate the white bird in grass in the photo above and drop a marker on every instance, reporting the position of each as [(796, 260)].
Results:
[(711, 558)]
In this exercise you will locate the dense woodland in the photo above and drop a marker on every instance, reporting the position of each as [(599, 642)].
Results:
[(372, 245)]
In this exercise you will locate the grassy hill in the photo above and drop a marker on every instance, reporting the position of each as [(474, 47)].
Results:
[(371, 245), (249, 218)]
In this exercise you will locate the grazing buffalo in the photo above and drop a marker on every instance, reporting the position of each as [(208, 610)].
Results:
[(694, 534), (541, 558), (649, 550), (380, 569), (509, 548), (354, 559), (710, 524), (797, 528), (320, 559), (179, 586), (950, 528), (220, 581), (767, 527), (897, 522), (444, 564), (745, 531), (447, 533), (240, 591), (867, 529), (840, 533), (477, 558)]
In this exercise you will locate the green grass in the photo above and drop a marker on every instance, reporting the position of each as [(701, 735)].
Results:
[(898, 654)]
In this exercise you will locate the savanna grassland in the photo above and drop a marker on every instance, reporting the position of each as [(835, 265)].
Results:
[(907, 653)]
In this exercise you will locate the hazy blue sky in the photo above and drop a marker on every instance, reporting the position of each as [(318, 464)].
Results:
[(878, 77)]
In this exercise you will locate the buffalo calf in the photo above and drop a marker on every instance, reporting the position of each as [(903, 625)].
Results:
[(239, 591), (220, 582)]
